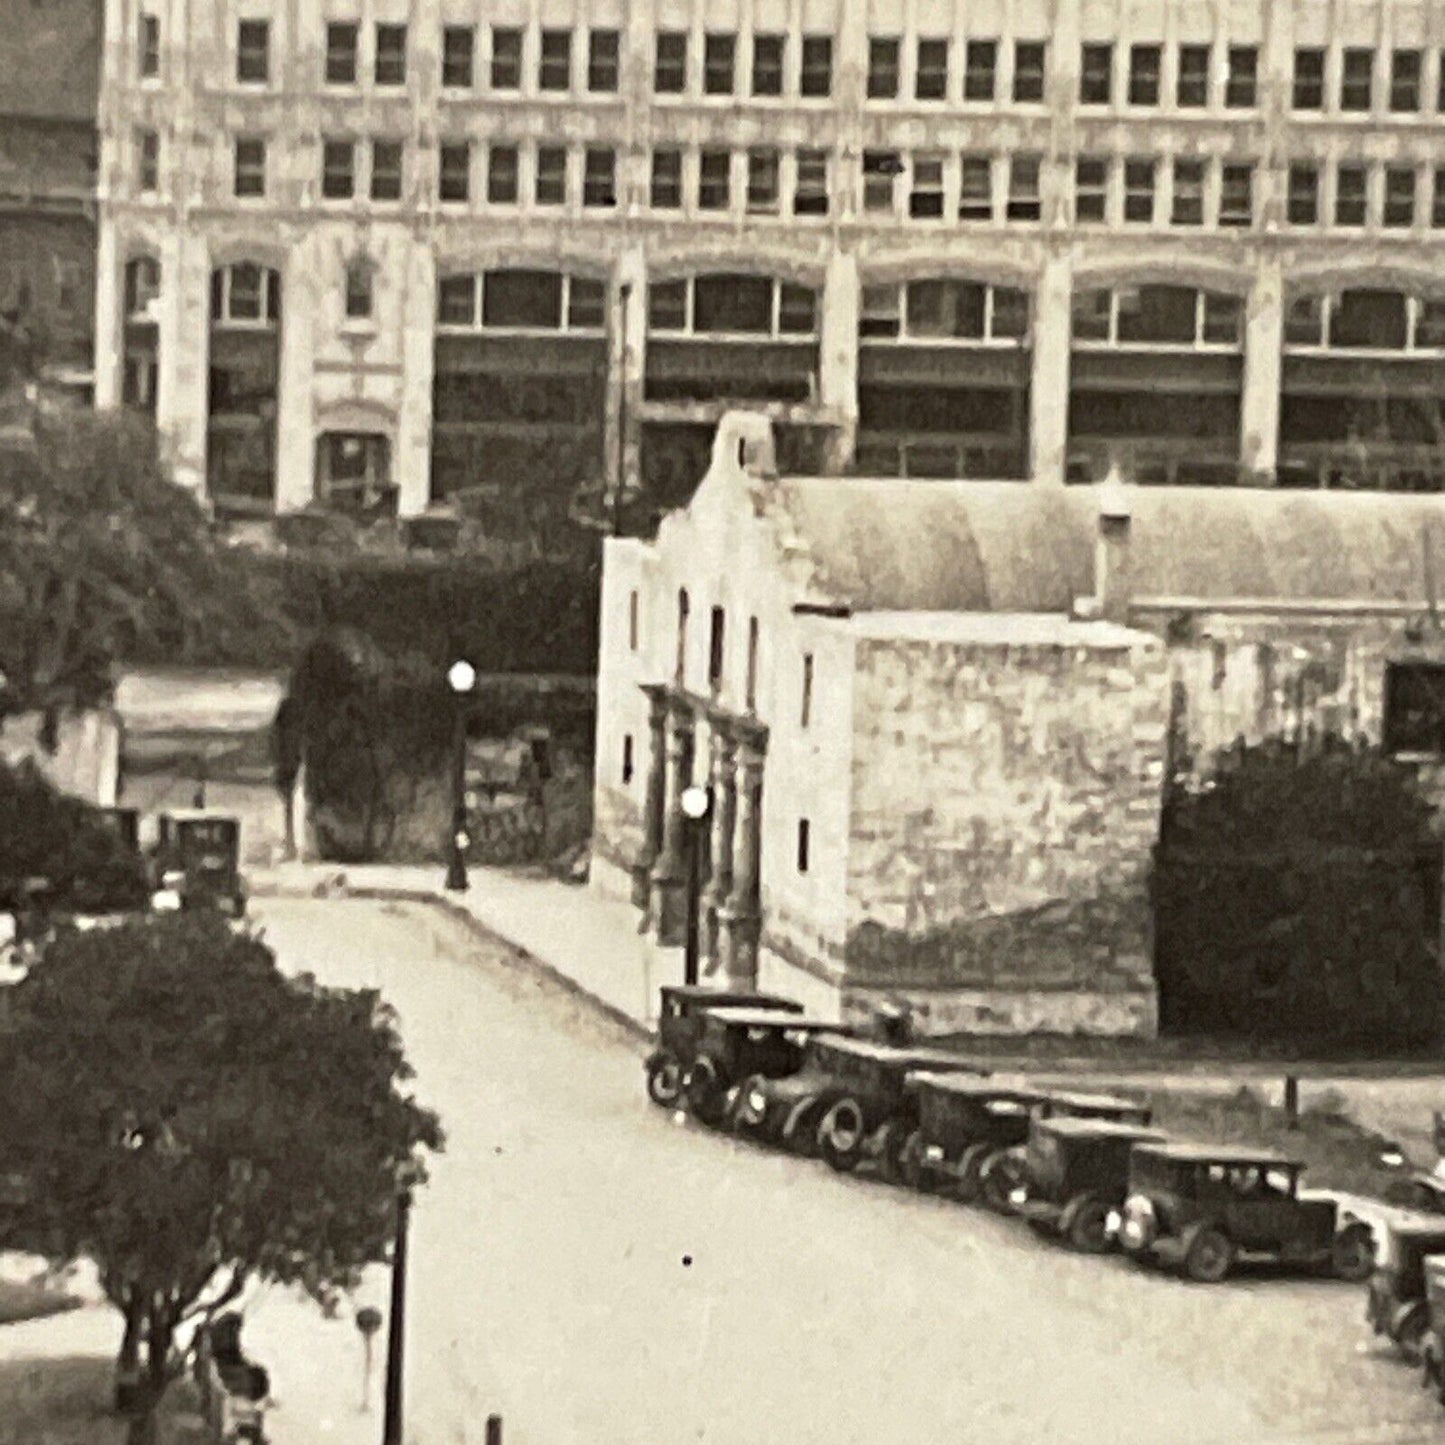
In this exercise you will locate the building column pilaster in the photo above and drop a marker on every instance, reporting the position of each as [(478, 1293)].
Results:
[(1263, 373), (739, 919), (183, 363), (109, 353), (625, 409), (654, 807), (412, 462), (838, 355), (1049, 381), (295, 428), (669, 873), (723, 817)]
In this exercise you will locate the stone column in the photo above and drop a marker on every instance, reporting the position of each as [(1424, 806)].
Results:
[(669, 873), (1263, 372), (1049, 382), (838, 353), (632, 306), (411, 464), (302, 301), (723, 817), (653, 809), (109, 314), (739, 919), (183, 363)]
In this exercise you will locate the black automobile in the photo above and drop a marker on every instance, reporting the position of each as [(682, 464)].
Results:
[(745, 1044), (849, 1102), (680, 1012), (1432, 1348), (1396, 1304), (197, 862), (1003, 1170), (1077, 1172), (963, 1123), (1202, 1207)]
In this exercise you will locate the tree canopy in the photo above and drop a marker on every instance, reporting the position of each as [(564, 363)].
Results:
[(190, 1118), (101, 553), (85, 864)]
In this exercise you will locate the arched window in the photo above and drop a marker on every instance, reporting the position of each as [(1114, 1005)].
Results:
[(683, 606), (142, 287), (941, 309), (726, 304), (246, 294), (1173, 317), (1365, 319)]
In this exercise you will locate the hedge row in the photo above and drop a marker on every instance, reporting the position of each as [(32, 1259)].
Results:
[(537, 618)]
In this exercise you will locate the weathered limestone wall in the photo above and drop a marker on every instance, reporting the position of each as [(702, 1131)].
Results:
[(1005, 803), (1252, 676)]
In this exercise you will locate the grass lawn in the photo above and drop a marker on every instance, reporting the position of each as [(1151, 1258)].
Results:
[(1337, 1152), (67, 1402), (31, 1302)]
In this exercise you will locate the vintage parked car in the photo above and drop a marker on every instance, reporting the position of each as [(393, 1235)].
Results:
[(963, 1123), (197, 861), (680, 1014), (1077, 1171), (849, 1101), (1396, 1304), (1200, 1208), (976, 1133), (1432, 1348), (745, 1044)]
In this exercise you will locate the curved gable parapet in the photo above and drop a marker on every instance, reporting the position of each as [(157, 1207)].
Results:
[(1365, 273), (1164, 268)]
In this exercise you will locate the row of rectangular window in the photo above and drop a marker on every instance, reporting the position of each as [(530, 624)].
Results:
[(1352, 199), (1351, 85)]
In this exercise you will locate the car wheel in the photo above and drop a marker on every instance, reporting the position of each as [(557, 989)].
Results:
[(800, 1130), (970, 1163), (664, 1080), (910, 1163), (1408, 1330), (1353, 1253), (706, 1093), (891, 1139), (841, 1136), (1087, 1226), (1000, 1175), (1209, 1257)]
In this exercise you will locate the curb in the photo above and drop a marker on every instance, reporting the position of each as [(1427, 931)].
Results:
[(639, 1031)]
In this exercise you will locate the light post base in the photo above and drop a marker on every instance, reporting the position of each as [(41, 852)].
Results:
[(669, 910), (457, 881)]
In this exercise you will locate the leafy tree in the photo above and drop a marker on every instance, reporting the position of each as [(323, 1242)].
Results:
[(191, 1119), (102, 554), (85, 864)]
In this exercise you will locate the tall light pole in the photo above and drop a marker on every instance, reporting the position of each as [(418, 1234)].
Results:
[(396, 1335), (461, 678), (695, 803)]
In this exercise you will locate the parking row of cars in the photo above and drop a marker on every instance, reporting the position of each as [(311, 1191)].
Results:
[(1090, 1170)]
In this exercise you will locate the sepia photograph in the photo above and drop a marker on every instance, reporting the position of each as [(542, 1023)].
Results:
[(722, 721)]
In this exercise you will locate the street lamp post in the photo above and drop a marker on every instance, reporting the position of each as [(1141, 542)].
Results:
[(695, 804), (396, 1335), (461, 678)]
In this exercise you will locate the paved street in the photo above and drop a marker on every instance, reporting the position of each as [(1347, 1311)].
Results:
[(597, 1274)]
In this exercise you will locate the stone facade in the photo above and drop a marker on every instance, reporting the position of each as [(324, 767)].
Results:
[(1005, 800), (924, 252)]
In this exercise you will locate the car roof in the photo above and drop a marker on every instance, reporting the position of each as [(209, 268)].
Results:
[(741, 998), (1185, 1151), (1083, 1100), (748, 1017), (974, 1086), (1421, 1228), (198, 815), (1101, 1129), (926, 1058)]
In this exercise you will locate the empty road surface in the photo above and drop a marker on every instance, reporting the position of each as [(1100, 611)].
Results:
[(597, 1274)]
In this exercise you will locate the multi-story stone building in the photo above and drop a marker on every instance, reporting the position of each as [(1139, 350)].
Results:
[(425, 244), (49, 72)]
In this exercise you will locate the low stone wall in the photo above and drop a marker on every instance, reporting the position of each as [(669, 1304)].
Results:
[(85, 761), (935, 1012)]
